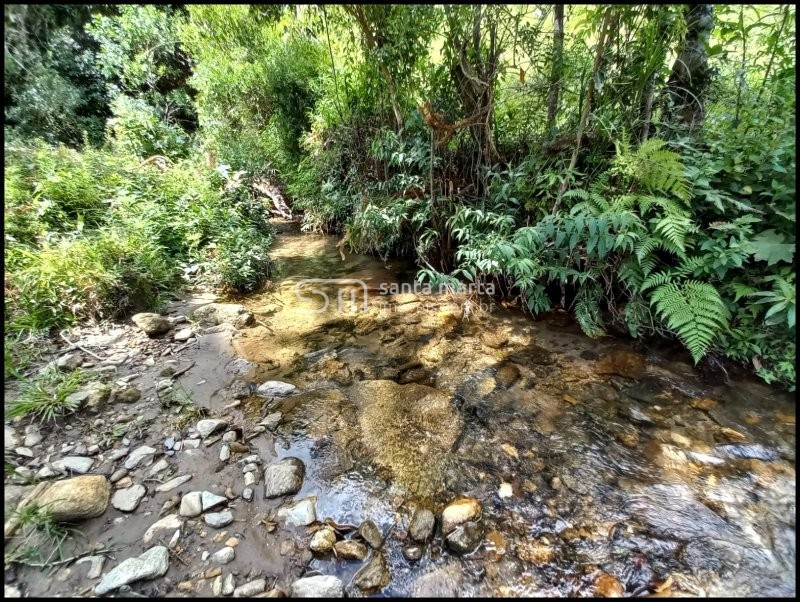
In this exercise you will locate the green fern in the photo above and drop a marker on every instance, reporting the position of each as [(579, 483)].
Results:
[(694, 311), (587, 310), (653, 167)]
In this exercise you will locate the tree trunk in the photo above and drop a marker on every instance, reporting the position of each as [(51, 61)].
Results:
[(555, 74), (690, 73), (587, 103)]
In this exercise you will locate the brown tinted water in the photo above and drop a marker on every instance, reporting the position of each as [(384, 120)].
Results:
[(589, 459)]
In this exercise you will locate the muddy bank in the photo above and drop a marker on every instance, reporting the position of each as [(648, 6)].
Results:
[(596, 470)]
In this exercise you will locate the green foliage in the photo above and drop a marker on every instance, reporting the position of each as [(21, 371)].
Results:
[(141, 130), (43, 538), (46, 397)]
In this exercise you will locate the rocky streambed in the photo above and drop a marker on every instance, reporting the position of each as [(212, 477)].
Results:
[(414, 447)]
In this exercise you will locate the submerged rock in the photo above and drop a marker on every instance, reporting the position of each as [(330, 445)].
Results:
[(319, 586), (408, 429), (421, 526), (275, 388), (374, 576), (350, 550), (152, 324), (465, 538), (752, 452), (153, 563), (413, 552), (76, 499), (284, 477), (622, 363)]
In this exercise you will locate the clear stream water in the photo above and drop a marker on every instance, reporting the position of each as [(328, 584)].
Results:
[(600, 470)]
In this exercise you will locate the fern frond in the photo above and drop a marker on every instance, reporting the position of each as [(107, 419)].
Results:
[(587, 310), (694, 311)]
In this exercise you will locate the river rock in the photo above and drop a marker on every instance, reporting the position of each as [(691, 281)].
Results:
[(153, 563), (78, 464), (191, 504), (272, 420), (421, 526), (152, 324), (507, 375), (250, 589), (77, 498), (319, 586), (69, 362), (138, 456), (465, 538), (127, 500), (212, 500), (248, 494), (129, 395), (283, 477), (215, 314), (173, 483), (323, 540), (228, 585), (223, 556), (96, 565), (460, 511), (622, 363), (184, 334), (161, 528), (10, 439), (210, 426), (275, 388), (218, 519), (350, 550), (374, 575), (413, 552), (371, 533), (224, 453), (299, 514)]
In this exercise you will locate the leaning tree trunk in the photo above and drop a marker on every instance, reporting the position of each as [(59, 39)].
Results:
[(691, 74), (556, 72)]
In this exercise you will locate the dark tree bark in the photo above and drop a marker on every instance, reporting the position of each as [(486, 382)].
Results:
[(556, 72), (691, 74)]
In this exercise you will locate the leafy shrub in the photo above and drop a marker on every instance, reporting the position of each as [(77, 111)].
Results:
[(141, 130)]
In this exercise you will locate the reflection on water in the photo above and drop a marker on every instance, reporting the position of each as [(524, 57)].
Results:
[(590, 479)]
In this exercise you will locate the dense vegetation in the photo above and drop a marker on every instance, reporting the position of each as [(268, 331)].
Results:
[(632, 164)]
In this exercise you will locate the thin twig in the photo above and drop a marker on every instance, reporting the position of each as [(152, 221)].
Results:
[(183, 370), (74, 346), (110, 550)]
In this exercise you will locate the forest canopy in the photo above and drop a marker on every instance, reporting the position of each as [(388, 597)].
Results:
[(631, 164)]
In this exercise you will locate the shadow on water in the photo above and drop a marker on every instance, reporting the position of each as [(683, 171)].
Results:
[(588, 459)]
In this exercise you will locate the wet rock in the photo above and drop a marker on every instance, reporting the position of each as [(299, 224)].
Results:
[(250, 589), (127, 500), (76, 499), (223, 556), (628, 438), (139, 456), (161, 528), (458, 512), (413, 552), (69, 362), (419, 375), (704, 403), (755, 452), (218, 519), (210, 426), (465, 538), (153, 563), (129, 395), (283, 477), (421, 526), (323, 540), (350, 550), (495, 339), (77, 464), (272, 420), (215, 314), (374, 576), (607, 586), (299, 514), (729, 435), (319, 586), (183, 335), (152, 324), (622, 363), (173, 483), (275, 388), (534, 552), (371, 533), (507, 375)]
